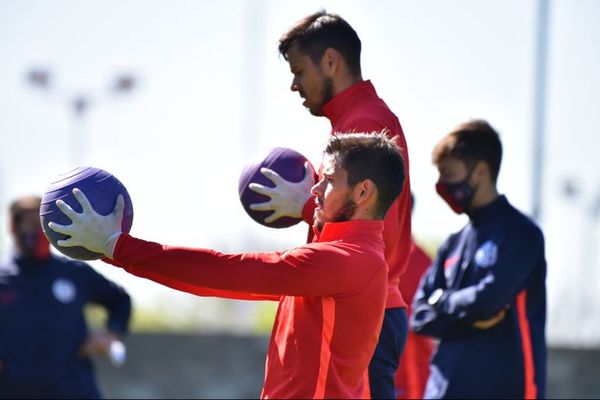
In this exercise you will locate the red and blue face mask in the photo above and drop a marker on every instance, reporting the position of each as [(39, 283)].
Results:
[(29, 237), (33, 245), (457, 195)]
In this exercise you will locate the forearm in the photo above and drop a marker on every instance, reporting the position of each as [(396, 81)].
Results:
[(476, 302), (119, 315), (426, 320), (199, 271)]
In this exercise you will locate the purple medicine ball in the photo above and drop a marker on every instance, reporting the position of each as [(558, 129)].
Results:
[(100, 187), (289, 164)]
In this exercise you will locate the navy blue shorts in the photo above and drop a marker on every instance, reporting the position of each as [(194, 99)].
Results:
[(384, 363)]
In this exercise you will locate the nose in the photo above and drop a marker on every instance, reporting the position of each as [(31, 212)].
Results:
[(317, 189), (295, 87)]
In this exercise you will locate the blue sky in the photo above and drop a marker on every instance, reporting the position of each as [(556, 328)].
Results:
[(213, 94)]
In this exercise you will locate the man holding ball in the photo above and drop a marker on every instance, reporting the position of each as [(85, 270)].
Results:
[(323, 52), (331, 292)]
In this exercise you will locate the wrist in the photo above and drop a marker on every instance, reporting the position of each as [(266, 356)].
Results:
[(111, 244)]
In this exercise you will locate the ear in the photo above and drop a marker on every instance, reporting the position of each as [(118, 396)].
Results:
[(364, 192), (481, 172), (330, 61)]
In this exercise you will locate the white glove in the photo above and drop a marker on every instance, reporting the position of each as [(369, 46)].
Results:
[(287, 199), (95, 232)]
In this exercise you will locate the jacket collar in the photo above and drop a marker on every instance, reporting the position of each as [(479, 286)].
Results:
[(339, 230), (489, 211), (334, 109)]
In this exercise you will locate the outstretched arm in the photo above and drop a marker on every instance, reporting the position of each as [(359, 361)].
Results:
[(317, 269)]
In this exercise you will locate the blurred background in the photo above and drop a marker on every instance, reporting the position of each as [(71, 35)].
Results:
[(175, 97)]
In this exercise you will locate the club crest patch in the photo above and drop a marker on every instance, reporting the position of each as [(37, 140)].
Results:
[(487, 254), (64, 290)]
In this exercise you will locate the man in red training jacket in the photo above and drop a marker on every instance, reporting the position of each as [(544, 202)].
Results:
[(331, 292)]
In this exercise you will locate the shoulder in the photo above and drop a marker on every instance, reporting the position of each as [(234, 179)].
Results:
[(523, 226), (69, 262), (339, 254), (373, 117), (71, 266)]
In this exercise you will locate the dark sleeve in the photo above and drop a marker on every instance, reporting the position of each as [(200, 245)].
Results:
[(518, 253), (427, 319), (112, 297)]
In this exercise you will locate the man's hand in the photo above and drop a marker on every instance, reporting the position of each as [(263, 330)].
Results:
[(97, 344), (287, 199), (489, 323), (95, 232)]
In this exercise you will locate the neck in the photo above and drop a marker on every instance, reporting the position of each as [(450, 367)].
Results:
[(344, 82), (365, 213), (484, 197)]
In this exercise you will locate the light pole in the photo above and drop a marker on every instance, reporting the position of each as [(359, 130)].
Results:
[(539, 108), (79, 104)]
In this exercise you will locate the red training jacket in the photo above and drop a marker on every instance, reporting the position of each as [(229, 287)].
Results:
[(358, 109), (331, 297), (413, 370)]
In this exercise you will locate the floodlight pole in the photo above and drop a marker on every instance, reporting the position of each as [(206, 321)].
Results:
[(539, 107), (79, 105)]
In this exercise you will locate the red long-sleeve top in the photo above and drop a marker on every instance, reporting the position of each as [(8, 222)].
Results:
[(331, 297), (413, 370), (359, 109)]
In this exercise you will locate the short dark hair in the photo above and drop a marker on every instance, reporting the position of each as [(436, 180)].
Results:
[(317, 32), (22, 205), (471, 142), (373, 156)]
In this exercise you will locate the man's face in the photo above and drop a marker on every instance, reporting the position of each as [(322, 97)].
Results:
[(333, 195), (28, 235), (309, 81), (452, 170)]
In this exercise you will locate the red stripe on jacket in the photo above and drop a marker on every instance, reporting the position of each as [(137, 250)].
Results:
[(530, 386)]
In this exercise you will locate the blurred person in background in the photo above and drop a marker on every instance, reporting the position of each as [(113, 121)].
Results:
[(413, 370), (484, 296), (331, 292), (323, 52), (45, 346)]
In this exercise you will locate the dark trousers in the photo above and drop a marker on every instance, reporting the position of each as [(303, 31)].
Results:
[(384, 363)]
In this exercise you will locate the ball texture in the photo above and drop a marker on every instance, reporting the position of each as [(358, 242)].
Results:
[(289, 164), (100, 187)]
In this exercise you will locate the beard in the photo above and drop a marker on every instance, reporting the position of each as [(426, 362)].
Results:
[(345, 213), (326, 95)]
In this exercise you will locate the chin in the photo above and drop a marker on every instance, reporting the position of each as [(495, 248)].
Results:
[(315, 113), (318, 224)]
